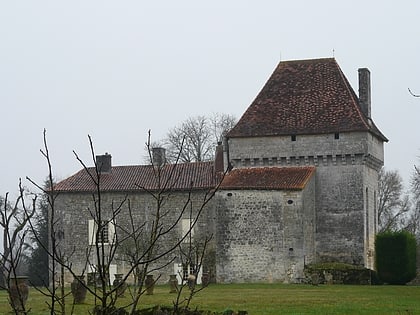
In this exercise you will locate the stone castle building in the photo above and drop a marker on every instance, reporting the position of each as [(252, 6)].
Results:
[(301, 185)]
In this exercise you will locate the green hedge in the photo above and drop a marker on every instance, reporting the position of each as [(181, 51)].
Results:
[(395, 257)]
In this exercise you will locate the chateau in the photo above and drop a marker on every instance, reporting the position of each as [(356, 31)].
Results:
[(300, 187)]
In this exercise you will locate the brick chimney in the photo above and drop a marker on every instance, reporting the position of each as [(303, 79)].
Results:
[(159, 156), (364, 91), (103, 163)]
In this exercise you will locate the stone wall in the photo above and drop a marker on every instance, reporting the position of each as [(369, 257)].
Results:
[(323, 149), (340, 214), (264, 236), (348, 275), (74, 211), (259, 235), (346, 185)]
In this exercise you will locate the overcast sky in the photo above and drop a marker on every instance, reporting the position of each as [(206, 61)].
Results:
[(115, 69)]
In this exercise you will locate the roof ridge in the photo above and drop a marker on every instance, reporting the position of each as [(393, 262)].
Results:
[(355, 97), (184, 176), (150, 165), (307, 60)]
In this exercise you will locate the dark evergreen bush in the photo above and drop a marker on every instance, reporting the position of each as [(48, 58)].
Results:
[(395, 257)]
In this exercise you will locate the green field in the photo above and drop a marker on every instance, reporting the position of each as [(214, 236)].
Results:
[(273, 299)]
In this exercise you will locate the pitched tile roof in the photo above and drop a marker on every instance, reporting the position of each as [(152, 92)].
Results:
[(276, 178), (304, 97), (185, 176)]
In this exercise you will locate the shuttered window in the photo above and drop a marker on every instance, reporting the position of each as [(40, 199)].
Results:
[(106, 234)]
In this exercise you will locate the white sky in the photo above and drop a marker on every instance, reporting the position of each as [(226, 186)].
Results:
[(115, 69)]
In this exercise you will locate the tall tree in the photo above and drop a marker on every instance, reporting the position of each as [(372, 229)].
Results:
[(393, 207), (220, 124), (195, 139)]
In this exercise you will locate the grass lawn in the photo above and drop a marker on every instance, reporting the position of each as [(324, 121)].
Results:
[(264, 299)]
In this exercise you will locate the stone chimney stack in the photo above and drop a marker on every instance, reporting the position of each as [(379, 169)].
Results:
[(218, 159), (159, 156), (364, 91), (103, 163)]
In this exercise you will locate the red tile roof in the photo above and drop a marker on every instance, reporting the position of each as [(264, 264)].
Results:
[(304, 97), (277, 178), (186, 176)]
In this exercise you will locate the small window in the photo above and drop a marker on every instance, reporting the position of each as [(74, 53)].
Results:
[(293, 137), (290, 201), (336, 135)]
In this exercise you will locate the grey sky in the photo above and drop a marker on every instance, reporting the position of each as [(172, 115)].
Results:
[(114, 69)]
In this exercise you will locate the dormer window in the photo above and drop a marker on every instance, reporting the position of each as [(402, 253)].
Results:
[(293, 137)]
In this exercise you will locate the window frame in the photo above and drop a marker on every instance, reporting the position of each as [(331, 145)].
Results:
[(92, 229), (187, 230)]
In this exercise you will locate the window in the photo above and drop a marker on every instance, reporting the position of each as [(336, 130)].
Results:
[(189, 269), (187, 228), (293, 137), (183, 270), (106, 233), (336, 136)]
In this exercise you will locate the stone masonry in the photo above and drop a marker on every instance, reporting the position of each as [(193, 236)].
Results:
[(300, 185)]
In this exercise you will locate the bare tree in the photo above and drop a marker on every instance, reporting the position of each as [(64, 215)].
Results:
[(415, 183), (193, 252), (194, 137), (220, 125), (150, 250), (149, 237), (38, 258), (393, 207), (55, 290), (153, 239), (194, 140), (414, 222), (411, 222), (14, 223)]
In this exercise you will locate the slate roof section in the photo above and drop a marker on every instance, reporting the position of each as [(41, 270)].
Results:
[(304, 97), (268, 178), (185, 176)]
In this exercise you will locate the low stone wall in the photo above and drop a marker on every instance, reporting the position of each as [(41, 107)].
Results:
[(338, 275)]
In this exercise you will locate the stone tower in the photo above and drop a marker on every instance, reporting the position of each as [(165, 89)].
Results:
[(306, 115)]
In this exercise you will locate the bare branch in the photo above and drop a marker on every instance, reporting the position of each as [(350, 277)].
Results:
[(415, 95)]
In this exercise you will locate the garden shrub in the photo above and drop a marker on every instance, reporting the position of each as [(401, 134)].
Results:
[(395, 257)]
